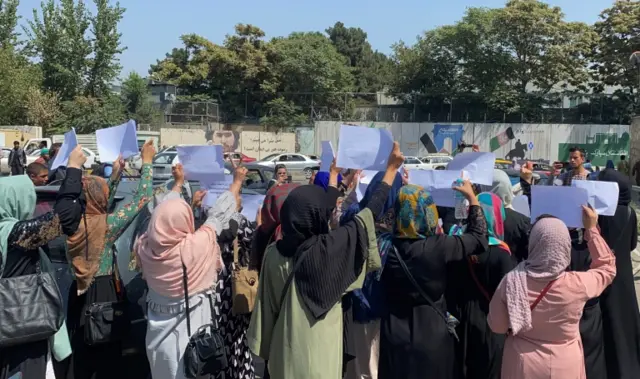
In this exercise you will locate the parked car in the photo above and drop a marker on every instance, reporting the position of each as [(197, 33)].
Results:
[(414, 163), (238, 158), (436, 161), (291, 161), (503, 164), (92, 158)]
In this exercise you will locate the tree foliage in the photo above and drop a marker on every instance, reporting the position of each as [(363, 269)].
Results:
[(137, 100), (618, 33), (8, 22)]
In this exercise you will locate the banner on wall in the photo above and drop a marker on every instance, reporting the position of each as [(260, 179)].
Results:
[(445, 138)]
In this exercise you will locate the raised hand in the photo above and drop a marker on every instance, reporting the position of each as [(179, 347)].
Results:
[(396, 158), (77, 158), (148, 152)]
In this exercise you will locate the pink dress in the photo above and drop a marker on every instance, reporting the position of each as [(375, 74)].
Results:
[(553, 348)]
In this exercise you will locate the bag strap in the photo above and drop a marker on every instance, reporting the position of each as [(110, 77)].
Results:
[(417, 286), (185, 285), (287, 284), (186, 298), (475, 279), (542, 294)]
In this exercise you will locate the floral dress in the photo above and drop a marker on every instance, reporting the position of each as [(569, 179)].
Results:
[(234, 327)]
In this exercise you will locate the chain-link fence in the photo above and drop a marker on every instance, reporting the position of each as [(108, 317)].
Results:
[(190, 112), (531, 108)]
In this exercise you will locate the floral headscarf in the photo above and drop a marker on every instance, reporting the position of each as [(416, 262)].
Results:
[(416, 213)]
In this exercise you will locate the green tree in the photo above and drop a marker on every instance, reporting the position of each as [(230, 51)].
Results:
[(87, 114), (104, 65), (17, 78), (282, 114), (425, 73), (58, 39), (308, 63), (42, 108), (236, 74), (371, 69), (8, 22), (137, 100), (618, 37)]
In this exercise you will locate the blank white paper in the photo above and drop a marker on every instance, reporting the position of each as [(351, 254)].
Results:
[(564, 203), (520, 204), (479, 166), (327, 156), (364, 148), (62, 157), (434, 179), (117, 140), (603, 196), (204, 163)]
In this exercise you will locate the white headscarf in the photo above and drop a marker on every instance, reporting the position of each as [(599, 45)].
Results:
[(501, 186)]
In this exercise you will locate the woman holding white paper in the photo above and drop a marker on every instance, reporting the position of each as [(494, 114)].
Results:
[(417, 336), (539, 304), (92, 258)]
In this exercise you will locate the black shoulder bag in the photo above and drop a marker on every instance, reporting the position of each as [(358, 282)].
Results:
[(108, 321), (450, 322), (205, 353), (30, 308)]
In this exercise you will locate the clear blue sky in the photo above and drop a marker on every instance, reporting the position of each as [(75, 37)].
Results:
[(151, 28)]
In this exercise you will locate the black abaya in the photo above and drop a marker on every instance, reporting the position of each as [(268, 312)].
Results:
[(414, 338), (481, 348), (620, 316)]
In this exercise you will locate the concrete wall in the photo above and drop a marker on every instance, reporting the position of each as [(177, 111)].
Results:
[(11, 133), (254, 144), (526, 141)]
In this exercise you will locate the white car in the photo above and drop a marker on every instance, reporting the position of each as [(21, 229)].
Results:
[(91, 157), (414, 163), (292, 161), (436, 161)]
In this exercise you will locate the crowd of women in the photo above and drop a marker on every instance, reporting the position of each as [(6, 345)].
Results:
[(390, 286)]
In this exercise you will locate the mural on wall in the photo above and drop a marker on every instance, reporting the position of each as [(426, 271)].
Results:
[(229, 139), (519, 141), (445, 138), (599, 148), (261, 144)]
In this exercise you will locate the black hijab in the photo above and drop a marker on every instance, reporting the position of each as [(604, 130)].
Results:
[(331, 260), (624, 185)]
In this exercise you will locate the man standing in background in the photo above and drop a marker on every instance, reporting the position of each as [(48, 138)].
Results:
[(636, 172), (623, 165), (17, 159)]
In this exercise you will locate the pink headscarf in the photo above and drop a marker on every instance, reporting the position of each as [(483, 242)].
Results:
[(549, 257), (170, 241)]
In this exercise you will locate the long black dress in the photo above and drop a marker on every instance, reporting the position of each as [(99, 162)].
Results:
[(414, 339), (30, 360), (591, 331), (620, 316), (516, 233), (481, 348)]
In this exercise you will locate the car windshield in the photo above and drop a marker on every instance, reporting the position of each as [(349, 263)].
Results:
[(269, 157), (164, 158)]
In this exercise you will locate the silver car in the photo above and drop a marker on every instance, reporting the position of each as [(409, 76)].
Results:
[(291, 161)]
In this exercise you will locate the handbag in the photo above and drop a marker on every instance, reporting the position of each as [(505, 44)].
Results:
[(244, 285), (108, 321), (205, 353), (31, 308), (450, 322)]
